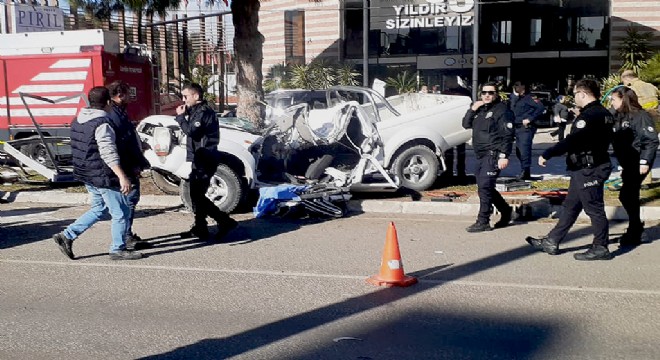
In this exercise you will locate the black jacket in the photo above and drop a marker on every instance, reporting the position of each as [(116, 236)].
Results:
[(492, 129), (635, 139), (589, 140), (524, 107), (130, 153), (203, 132)]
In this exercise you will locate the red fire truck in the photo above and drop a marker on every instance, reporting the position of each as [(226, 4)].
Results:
[(61, 64)]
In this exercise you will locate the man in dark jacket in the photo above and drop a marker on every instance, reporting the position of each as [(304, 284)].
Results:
[(492, 139), (97, 163), (588, 160), (200, 124), (132, 161), (526, 110)]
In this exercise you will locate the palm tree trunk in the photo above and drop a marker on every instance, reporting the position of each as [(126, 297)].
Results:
[(248, 47), (121, 26), (73, 10), (138, 18)]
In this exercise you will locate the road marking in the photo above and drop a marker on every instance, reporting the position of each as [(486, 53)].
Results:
[(336, 276)]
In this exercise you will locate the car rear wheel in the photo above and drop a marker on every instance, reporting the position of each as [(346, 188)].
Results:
[(226, 190), (416, 168)]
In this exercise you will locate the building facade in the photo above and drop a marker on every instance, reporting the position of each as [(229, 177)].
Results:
[(544, 42)]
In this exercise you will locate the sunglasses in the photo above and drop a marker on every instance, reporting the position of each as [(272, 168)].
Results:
[(488, 92)]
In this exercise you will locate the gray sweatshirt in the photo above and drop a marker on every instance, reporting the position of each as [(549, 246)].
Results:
[(104, 135)]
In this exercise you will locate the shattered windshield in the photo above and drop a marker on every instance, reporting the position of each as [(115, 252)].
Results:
[(239, 123)]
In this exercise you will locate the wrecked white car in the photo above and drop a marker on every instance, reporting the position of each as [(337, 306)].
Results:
[(355, 139)]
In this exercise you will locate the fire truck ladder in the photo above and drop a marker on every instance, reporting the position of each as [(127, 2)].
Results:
[(59, 173)]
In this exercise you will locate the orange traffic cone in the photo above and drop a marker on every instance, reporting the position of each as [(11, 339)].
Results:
[(391, 267)]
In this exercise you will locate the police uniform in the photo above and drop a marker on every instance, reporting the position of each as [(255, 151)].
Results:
[(200, 124), (524, 107), (588, 160), (492, 139), (635, 143)]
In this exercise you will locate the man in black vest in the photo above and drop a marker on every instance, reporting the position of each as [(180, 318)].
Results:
[(200, 124), (96, 163), (588, 160), (131, 159)]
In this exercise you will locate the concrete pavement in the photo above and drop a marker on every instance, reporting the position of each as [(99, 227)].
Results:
[(296, 290)]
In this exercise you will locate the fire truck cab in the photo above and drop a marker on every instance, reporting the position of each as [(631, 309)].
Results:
[(59, 64)]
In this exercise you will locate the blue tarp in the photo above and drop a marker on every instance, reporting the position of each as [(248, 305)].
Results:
[(270, 196)]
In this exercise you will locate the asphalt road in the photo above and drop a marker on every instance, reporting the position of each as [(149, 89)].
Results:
[(296, 290)]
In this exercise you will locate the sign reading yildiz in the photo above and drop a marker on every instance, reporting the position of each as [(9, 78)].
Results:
[(27, 18), (432, 13)]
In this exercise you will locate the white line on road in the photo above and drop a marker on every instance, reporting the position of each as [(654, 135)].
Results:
[(336, 276)]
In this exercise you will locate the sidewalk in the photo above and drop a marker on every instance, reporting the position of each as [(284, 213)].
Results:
[(534, 206), (527, 206)]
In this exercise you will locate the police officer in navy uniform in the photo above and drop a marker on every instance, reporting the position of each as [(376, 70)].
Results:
[(525, 110), (200, 124), (588, 160), (635, 143), (491, 122)]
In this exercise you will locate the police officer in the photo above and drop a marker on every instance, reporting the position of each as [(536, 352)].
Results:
[(200, 124), (525, 110), (635, 143), (492, 139), (588, 161)]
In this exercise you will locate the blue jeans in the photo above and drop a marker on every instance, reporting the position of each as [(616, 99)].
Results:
[(103, 200)]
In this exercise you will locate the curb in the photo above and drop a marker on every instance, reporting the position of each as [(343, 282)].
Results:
[(528, 207)]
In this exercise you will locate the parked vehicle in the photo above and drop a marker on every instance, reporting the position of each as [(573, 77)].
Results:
[(60, 64), (361, 141)]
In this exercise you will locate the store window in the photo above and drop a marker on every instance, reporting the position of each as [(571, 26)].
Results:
[(501, 33), (591, 32), (294, 36), (535, 32)]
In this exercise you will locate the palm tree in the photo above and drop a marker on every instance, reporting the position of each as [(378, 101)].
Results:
[(248, 52), (149, 8)]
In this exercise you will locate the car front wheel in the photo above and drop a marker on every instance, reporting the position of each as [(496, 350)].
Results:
[(416, 168), (225, 190)]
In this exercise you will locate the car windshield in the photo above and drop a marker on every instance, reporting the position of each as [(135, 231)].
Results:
[(239, 123)]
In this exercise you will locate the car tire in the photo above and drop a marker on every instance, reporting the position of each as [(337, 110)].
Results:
[(416, 168), (226, 190), (167, 183), (37, 152)]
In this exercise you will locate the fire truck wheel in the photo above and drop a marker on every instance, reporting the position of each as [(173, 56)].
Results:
[(226, 190), (167, 183), (38, 153)]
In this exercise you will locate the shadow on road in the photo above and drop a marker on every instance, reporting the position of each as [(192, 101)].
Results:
[(459, 335)]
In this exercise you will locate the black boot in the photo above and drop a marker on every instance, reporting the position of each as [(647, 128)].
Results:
[(525, 175), (544, 244), (632, 237), (478, 227), (505, 219), (225, 227), (596, 252), (198, 230)]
